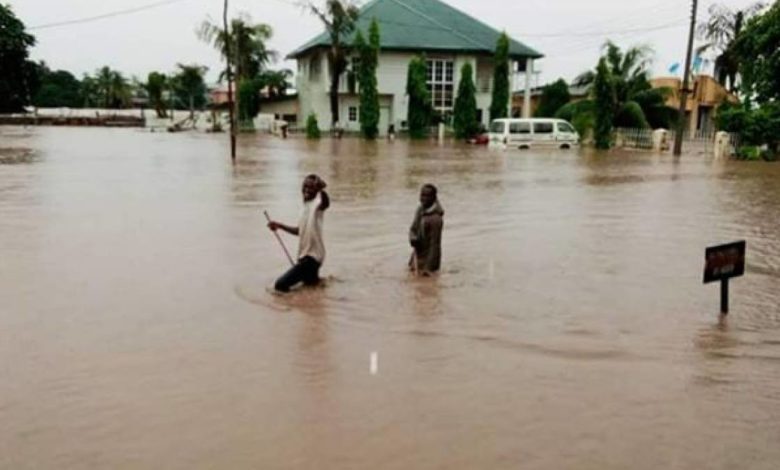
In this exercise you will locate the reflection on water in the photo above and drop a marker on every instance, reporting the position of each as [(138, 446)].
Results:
[(568, 329)]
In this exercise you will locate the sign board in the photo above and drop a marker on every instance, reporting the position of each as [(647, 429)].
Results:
[(724, 262)]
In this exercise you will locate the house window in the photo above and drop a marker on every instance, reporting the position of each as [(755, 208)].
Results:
[(440, 75), (484, 75), (353, 114)]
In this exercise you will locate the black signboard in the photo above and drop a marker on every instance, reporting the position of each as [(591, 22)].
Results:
[(724, 262)]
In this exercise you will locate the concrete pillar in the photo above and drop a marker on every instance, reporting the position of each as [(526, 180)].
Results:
[(529, 72), (722, 148), (512, 87), (660, 140), (694, 119)]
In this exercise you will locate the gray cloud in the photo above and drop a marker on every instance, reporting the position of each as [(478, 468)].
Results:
[(568, 32)]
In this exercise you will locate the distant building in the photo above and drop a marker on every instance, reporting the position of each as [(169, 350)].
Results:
[(576, 92), (218, 95), (449, 39), (707, 96)]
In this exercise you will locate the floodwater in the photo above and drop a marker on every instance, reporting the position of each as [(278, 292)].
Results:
[(569, 328)]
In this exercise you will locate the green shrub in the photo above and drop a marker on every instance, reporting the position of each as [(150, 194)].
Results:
[(631, 116), (749, 153), (312, 127)]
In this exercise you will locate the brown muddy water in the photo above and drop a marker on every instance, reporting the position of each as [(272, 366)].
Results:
[(568, 330)]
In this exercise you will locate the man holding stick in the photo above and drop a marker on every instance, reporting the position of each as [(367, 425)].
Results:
[(311, 248)]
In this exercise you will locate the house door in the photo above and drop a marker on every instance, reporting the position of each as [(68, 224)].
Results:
[(384, 120)]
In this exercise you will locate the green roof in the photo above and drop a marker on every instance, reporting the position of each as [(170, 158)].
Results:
[(427, 25)]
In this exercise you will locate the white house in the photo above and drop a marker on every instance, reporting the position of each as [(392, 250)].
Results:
[(446, 36)]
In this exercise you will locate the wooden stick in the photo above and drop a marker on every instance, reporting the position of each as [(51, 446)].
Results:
[(268, 218)]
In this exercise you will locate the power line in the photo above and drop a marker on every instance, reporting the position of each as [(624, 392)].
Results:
[(607, 33), (107, 15)]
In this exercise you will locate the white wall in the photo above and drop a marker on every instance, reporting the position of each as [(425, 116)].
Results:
[(391, 81)]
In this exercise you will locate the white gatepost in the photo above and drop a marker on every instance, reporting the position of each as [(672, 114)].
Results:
[(529, 71), (513, 65)]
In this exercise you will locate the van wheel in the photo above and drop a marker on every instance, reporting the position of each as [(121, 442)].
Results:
[(565, 146)]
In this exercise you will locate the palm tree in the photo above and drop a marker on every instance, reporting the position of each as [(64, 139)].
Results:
[(249, 51), (112, 88), (190, 84), (637, 103), (246, 44), (276, 82), (103, 81), (720, 32), (339, 17)]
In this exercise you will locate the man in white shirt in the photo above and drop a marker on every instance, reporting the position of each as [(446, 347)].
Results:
[(311, 248)]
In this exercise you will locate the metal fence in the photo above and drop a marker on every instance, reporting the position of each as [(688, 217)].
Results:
[(634, 138), (694, 143)]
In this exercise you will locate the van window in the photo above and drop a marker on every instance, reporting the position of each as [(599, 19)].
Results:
[(519, 128), (565, 127), (497, 127), (543, 128)]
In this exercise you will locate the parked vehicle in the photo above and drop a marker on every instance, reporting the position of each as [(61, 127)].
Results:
[(535, 132)]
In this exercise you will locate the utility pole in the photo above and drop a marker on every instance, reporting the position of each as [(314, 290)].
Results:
[(686, 83), (231, 110)]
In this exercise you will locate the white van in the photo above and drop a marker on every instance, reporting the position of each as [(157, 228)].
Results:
[(536, 132)]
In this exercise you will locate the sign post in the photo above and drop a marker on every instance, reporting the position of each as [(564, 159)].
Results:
[(722, 263)]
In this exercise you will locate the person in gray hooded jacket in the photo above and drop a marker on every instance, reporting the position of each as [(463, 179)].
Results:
[(425, 232)]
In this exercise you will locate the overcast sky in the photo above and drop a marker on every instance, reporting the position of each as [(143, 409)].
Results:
[(568, 32)]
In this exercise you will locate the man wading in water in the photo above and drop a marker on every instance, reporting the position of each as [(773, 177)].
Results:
[(425, 233), (311, 248)]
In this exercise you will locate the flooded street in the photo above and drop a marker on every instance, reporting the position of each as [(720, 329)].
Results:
[(569, 328)]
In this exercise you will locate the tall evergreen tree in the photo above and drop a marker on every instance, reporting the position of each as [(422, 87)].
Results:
[(17, 74), (369, 95), (465, 112), (500, 102), (604, 95), (419, 100)]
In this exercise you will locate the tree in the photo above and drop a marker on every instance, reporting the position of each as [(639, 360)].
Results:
[(500, 101), (248, 102), (369, 95), (17, 74), (57, 89), (90, 94), (721, 32), (605, 98), (554, 97), (419, 112), (758, 50), (112, 88), (189, 85), (339, 17), (276, 82), (245, 45), (629, 72), (156, 84), (465, 112), (581, 114)]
